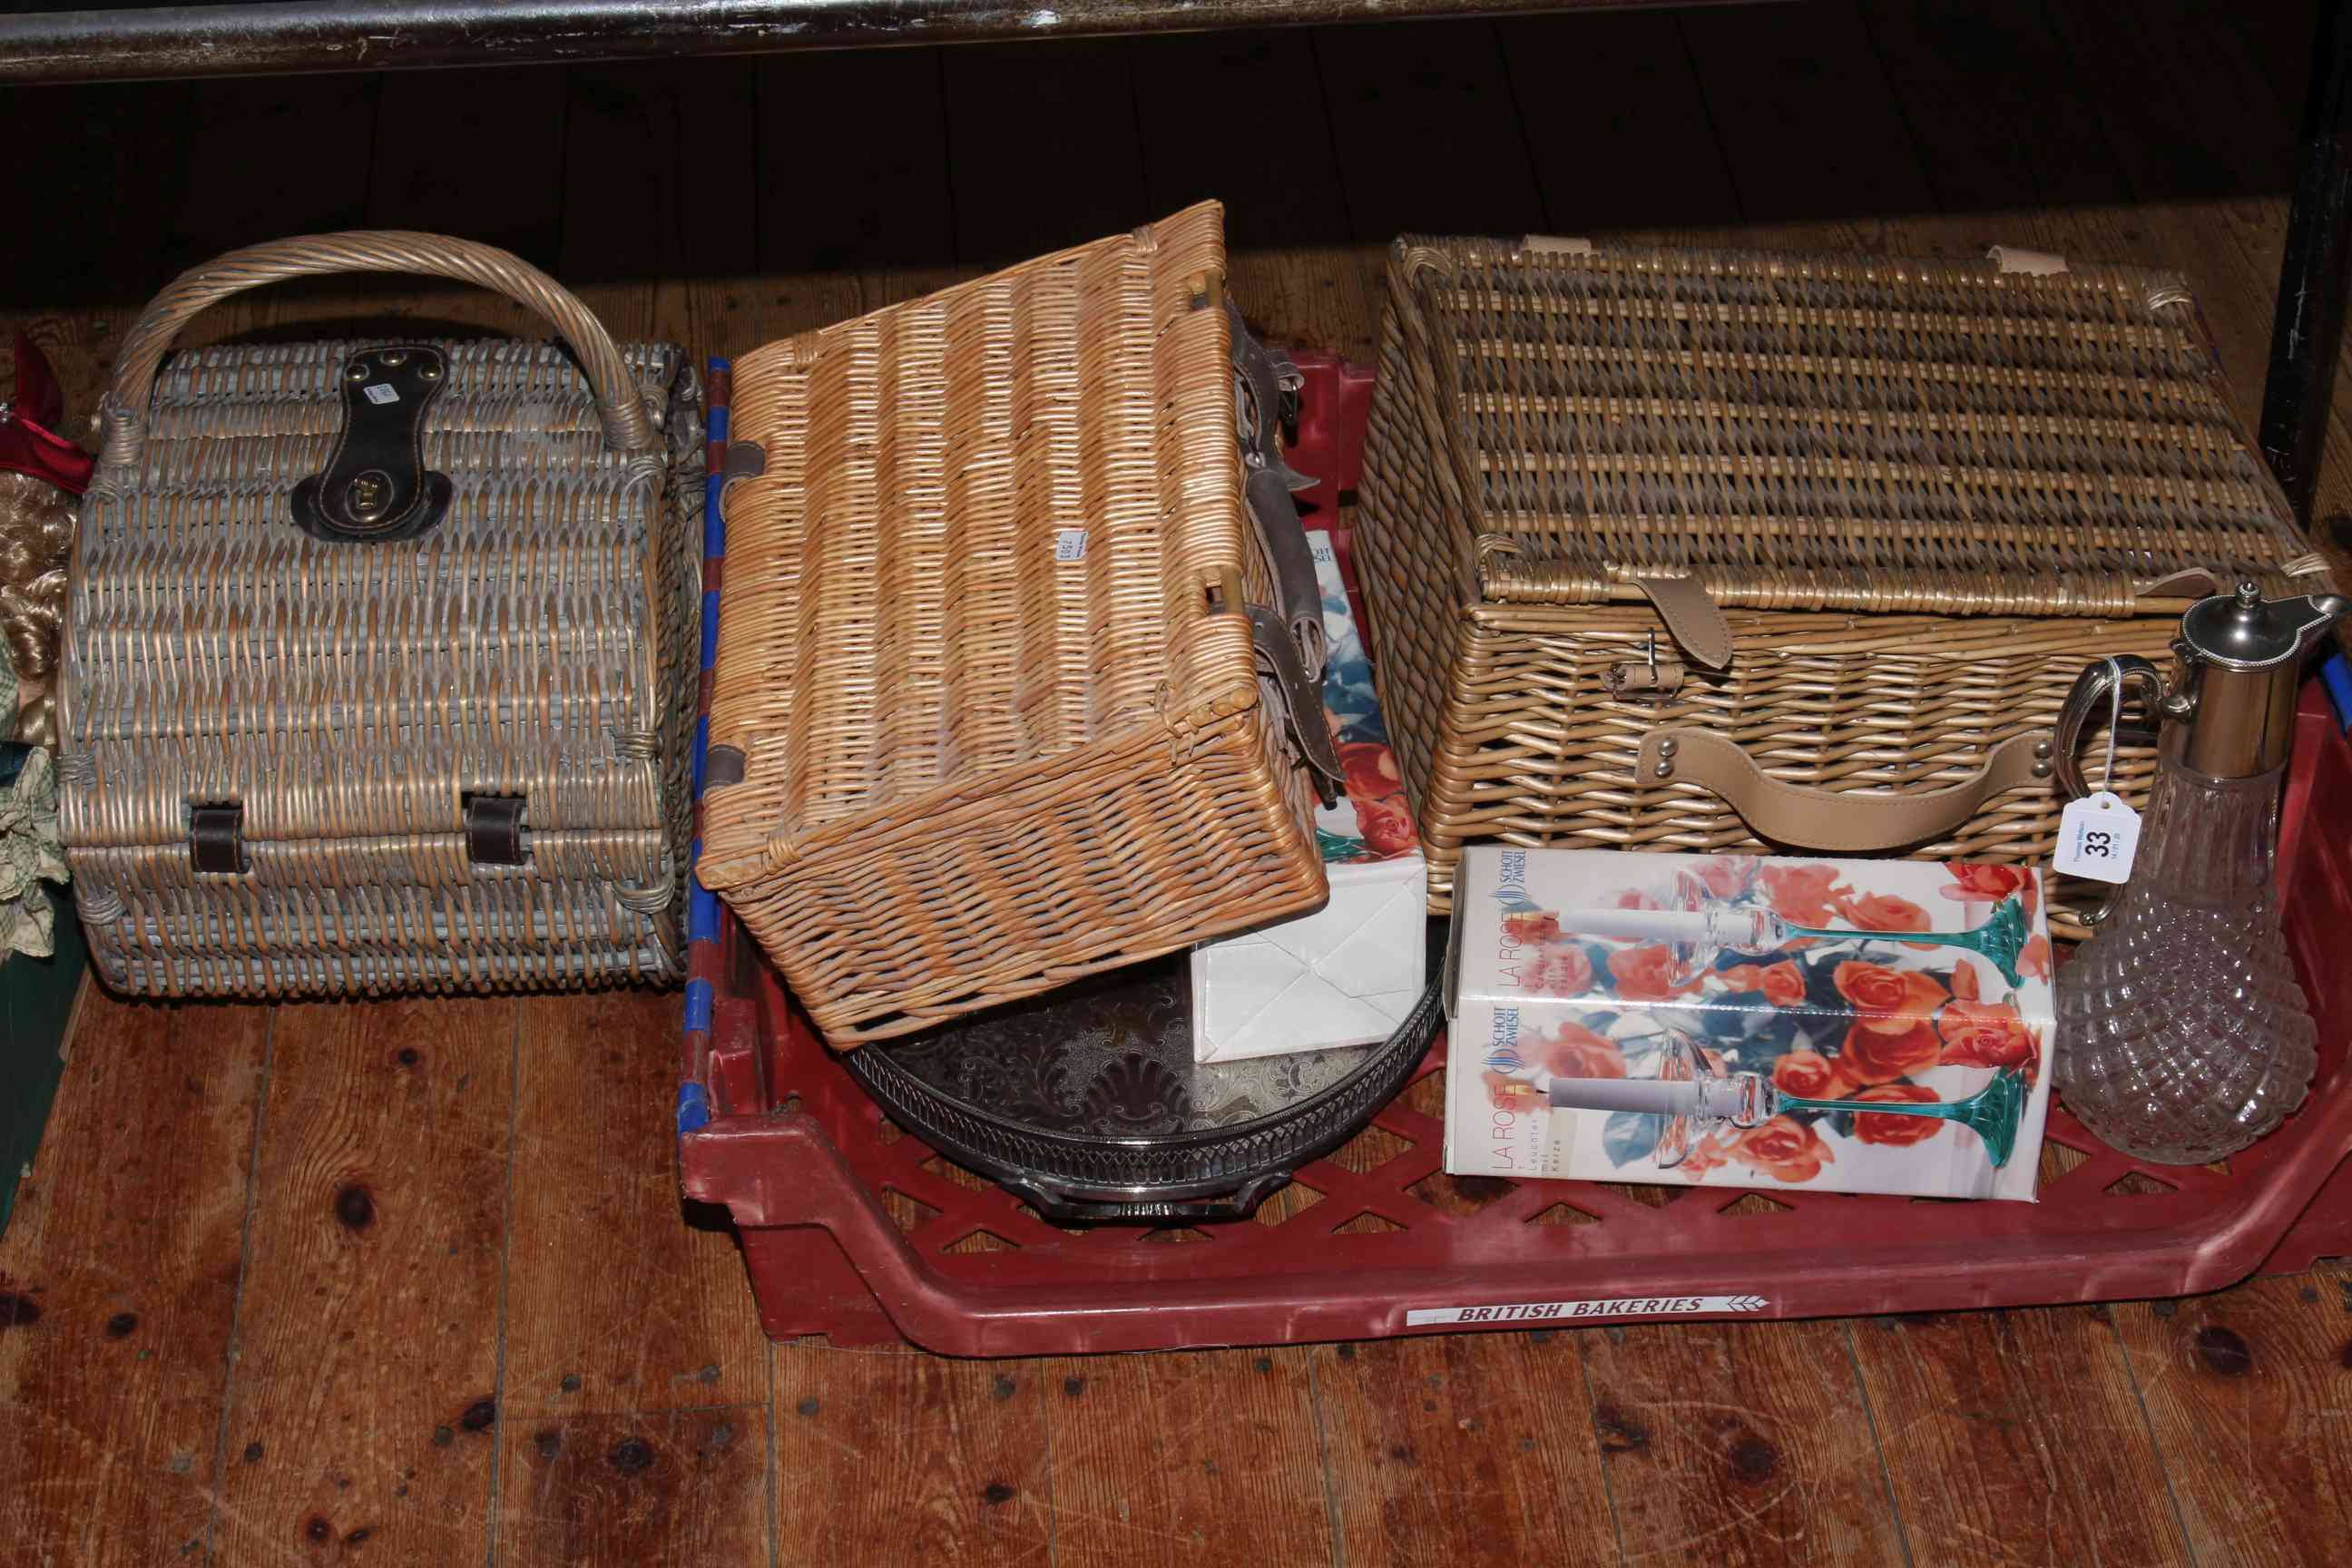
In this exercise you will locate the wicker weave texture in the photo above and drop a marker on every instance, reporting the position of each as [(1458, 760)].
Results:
[(541, 641), (993, 734), (1961, 474), (1809, 432), (1902, 703)]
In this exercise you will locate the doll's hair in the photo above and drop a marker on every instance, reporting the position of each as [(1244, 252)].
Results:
[(36, 524)]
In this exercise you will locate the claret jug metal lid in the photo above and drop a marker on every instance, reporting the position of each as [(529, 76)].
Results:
[(2230, 705), (2233, 689)]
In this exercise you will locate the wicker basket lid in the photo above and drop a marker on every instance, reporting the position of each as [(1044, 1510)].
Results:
[(974, 540), (1833, 432)]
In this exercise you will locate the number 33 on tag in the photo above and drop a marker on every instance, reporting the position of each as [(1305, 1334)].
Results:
[(2098, 836)]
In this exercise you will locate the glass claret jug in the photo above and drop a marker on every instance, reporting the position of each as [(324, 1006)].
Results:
[(2182, 1033)]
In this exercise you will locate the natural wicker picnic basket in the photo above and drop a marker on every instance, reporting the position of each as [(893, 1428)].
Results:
[(1012, 680), (381, 657), (1692, 550)]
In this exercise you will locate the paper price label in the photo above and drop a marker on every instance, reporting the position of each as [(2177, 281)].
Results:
[(1070, 545), (378, 392), (2098, 836)]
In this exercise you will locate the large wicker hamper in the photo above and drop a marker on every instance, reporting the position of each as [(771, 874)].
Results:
[(1005, 689), (380, 656), (1690, 550)]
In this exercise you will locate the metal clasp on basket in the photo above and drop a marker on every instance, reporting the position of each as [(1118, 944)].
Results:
[(1653, 680), (375, 487)]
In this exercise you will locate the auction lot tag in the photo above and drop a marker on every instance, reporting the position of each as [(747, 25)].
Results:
[(2098, 836)]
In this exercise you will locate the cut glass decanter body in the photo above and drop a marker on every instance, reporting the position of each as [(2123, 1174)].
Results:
[(2185, 1034)]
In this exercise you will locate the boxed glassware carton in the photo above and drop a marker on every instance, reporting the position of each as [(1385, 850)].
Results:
[(1740, 1021), (1348, 973)]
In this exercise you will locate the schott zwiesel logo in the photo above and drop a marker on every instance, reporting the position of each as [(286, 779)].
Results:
[(1511, 892), (1511, 887), (1502, 1042)]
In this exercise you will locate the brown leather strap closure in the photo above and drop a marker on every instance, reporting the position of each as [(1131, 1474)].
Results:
[(1294, 701), (1287, 635), (1691, 615), (1265, 399), (2189, 582), (495, 830), (1833, 820), (1298, 596), (745, 459), (375, 487), (216, 839)]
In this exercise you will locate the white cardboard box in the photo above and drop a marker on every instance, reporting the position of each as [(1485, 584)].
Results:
[(1348, 973), (1345, 976)]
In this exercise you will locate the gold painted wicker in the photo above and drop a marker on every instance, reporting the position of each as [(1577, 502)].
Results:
[(541, 641), (1922, 493), (950, 765)]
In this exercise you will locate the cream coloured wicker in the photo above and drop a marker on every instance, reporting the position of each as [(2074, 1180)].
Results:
[(349, 697), (1921, 494), (956, 760)]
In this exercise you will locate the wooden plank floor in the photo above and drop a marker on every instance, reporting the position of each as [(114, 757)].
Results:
[(411, 1282)]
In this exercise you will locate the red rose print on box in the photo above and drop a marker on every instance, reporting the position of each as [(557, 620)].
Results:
[(1884, 911), (1783, 983), (2034, 963), (1896, 1132), (1572, 1051), (1988, 884), (1871, 1055), (1709, 1152), (1892, 1001), (1803, 895), (1727, 876), (1847, 1013), (1783, 1149), (1986, 1034), (1376, 790), (1812, 1075), (1560, 970), (1649, 973)]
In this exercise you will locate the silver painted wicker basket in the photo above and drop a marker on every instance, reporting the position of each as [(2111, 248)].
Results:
[(379, 667)]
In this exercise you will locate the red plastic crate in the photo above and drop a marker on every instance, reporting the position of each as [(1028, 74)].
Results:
[(856, 1231)]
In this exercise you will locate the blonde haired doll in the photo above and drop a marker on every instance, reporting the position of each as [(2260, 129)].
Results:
[(40, 474)]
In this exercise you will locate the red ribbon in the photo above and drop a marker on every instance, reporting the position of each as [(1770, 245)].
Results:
[(27, 443)]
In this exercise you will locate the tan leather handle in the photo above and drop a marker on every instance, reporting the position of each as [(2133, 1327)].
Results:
[(626, 423), (1827, 819)]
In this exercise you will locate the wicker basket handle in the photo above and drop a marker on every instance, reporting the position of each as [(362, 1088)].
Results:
[(627, 423), (1834, 820)]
